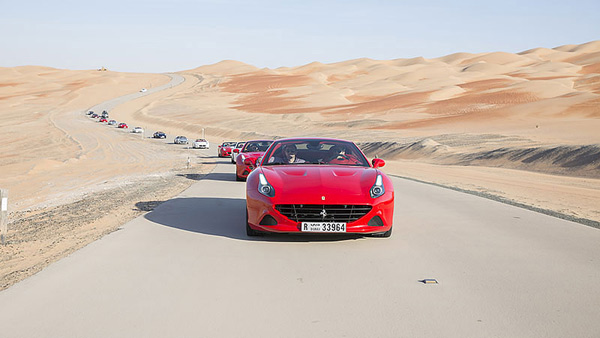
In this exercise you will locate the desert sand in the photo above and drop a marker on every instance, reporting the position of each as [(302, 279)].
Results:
[(520, 128)]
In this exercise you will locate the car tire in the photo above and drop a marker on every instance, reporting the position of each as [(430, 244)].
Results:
[(239, 179), (249, 231), (386, 234)]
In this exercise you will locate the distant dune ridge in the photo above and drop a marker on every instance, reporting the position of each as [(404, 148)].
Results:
[(541, 106), (523, 128)]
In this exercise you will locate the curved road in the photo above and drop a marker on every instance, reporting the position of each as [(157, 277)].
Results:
[(187, 269)]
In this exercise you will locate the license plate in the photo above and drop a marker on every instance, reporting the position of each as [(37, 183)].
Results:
[(323, 227)]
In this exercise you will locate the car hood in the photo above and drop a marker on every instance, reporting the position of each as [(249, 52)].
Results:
[(254, 155), (320, 184)]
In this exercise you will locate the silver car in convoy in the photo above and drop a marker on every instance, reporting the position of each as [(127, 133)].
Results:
[(181, 140)]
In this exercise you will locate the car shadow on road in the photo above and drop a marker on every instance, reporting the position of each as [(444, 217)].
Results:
[(225, 217), (228, 177)]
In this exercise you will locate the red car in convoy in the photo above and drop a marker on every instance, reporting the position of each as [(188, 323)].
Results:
[(246, 160), (318, 185), (224, 150), (123, 125)]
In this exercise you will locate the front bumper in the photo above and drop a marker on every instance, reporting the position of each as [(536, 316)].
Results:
[(263, 216)]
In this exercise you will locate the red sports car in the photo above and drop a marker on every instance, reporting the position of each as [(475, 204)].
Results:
[(246, 160), (318, 185), (224, 150), (123, 125)]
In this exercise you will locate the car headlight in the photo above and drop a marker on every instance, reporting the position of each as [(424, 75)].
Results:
[(264, 187), (377, 190)]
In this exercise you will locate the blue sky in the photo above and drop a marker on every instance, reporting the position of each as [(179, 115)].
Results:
[(172, 35)]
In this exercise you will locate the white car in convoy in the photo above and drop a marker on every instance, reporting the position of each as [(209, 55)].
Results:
[(200, 144), (236, 151), (137, 130)]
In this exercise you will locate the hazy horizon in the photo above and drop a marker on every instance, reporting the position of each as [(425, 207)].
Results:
[(154, 36)]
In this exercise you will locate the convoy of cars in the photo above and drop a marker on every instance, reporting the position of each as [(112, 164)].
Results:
[(304, 185)]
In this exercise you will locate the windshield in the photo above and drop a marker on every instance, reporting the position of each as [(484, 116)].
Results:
[(240, 144), (228, 144), (315, 152), (254, 146)]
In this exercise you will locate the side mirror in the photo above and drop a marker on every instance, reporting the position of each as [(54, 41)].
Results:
[(378, 163), (237, 151)]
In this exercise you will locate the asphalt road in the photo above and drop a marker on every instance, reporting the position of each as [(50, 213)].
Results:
[(187, 269)]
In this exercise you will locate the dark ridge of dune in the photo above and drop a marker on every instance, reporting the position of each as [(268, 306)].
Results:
[(576, 160)]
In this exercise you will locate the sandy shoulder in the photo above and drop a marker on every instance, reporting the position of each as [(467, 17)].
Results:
[(566, 197)]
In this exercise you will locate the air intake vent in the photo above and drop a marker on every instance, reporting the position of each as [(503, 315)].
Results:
[(375, 222), (323, 213), (268, 220)]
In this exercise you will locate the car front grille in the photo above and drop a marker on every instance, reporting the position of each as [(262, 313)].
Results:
[(323, 213)]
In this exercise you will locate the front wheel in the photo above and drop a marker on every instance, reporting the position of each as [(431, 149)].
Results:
[(249, 231)]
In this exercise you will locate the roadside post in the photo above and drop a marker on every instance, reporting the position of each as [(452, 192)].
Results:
[(3, 214)]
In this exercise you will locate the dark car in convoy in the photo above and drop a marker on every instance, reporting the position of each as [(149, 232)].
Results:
[(159, 134)]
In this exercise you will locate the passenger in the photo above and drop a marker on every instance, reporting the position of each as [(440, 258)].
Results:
[(289, 153)]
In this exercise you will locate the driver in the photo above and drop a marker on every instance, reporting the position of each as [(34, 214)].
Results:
[(339, 156)]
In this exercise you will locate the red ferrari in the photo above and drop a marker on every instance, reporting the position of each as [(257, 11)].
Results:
[(224, 150), (246, 160), (318, 185)]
